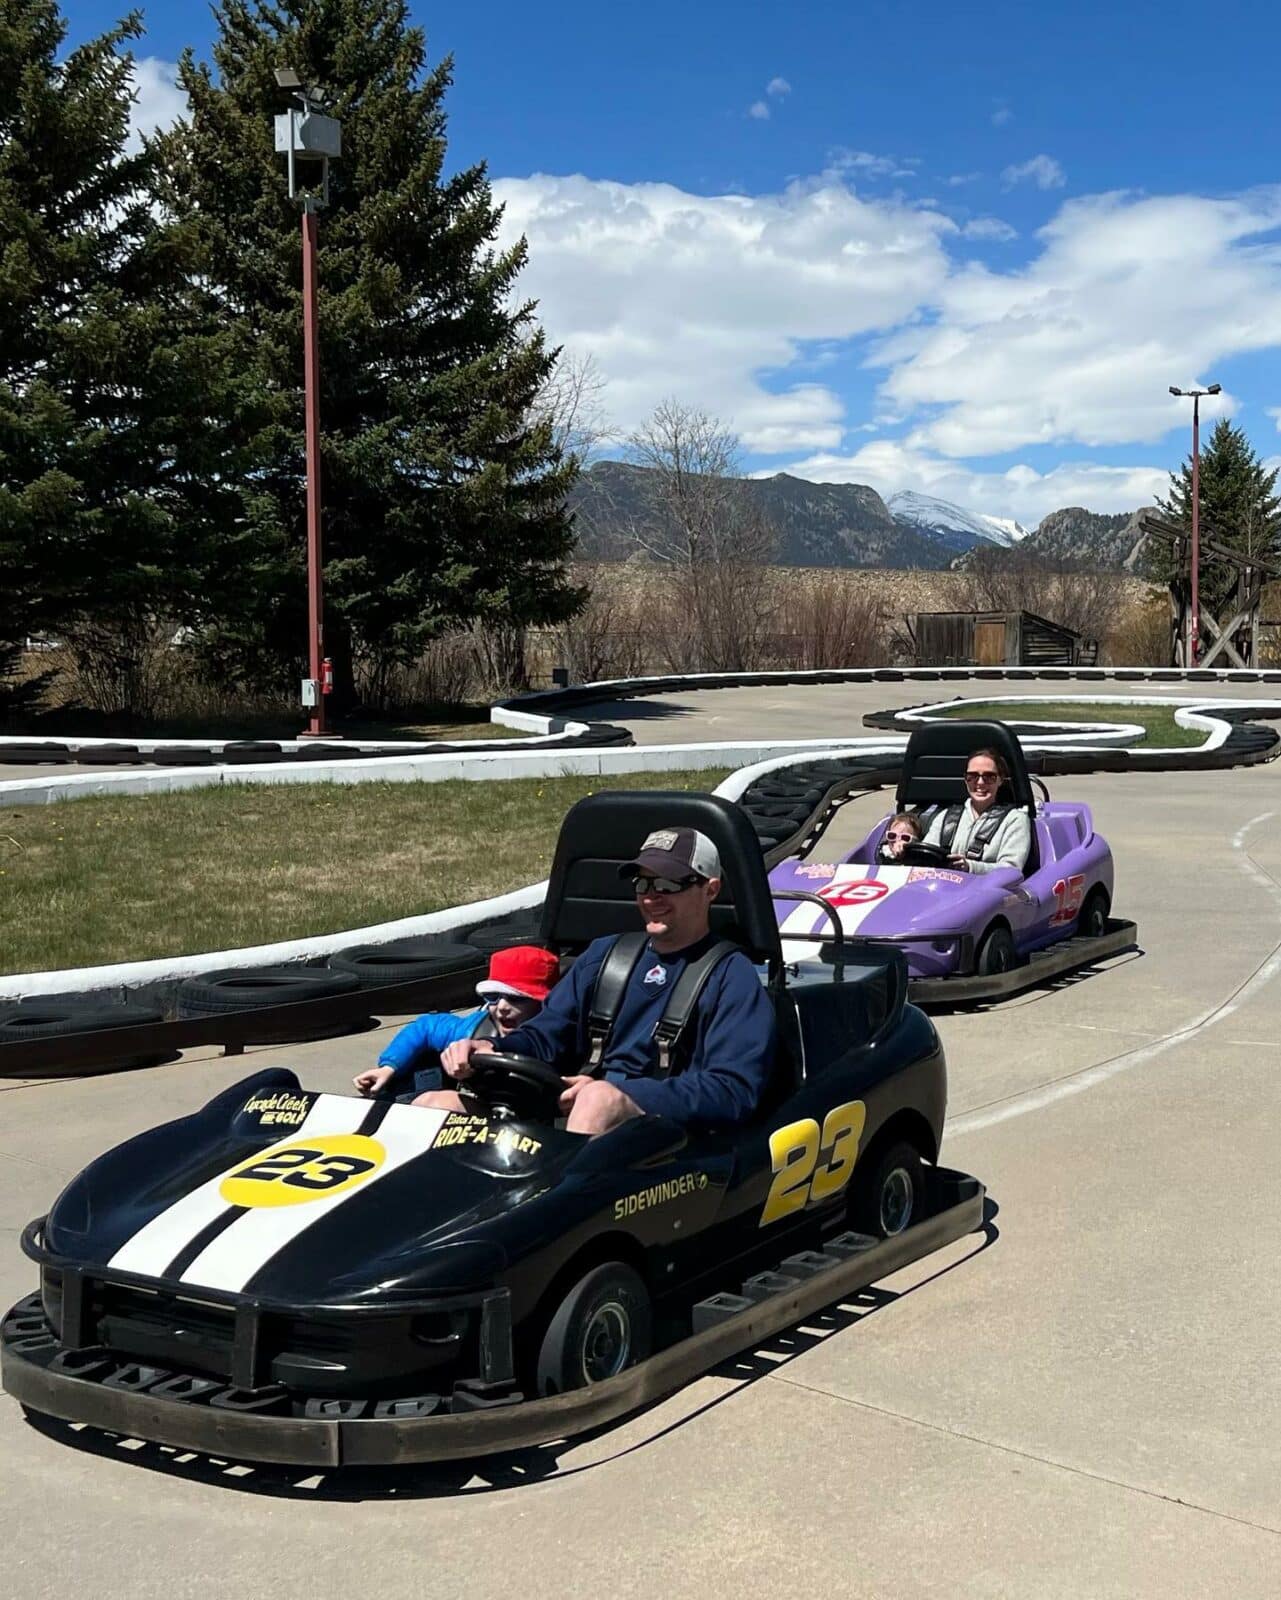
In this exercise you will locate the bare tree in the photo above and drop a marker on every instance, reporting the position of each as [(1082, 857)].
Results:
[(572, 400), (711, 544), (1058, 588)]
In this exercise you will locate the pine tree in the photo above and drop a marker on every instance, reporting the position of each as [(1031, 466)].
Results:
[(101, 448), (1239, 509), (443, 493)]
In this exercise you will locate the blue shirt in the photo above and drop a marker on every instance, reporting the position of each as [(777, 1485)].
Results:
[(432, 1032), (733, 1035)]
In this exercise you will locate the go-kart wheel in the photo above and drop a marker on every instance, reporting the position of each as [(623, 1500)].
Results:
[(996, 952), (513, 1086), (1093, 921), (603, 1325), (889, 1194)]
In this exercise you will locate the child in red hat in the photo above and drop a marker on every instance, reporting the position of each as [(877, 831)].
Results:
[(520, 979)]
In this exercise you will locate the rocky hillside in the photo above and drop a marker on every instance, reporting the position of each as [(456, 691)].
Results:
[(849, 525), (818, 524), (1108, 543)]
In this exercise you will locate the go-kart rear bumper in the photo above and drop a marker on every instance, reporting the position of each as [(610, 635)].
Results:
[(104, 1391)]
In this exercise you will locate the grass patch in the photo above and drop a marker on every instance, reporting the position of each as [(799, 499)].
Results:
[(1162, 730), (102, 879)]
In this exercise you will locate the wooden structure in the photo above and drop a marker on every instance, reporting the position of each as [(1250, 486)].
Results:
[(998, 639), (1230, 640)]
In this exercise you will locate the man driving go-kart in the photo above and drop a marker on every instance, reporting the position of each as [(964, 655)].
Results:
[(677, 876)]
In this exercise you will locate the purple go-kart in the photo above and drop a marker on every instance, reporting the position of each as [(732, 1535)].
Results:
[(965, 936)]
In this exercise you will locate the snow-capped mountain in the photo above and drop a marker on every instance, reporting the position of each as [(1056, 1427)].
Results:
[(950, 524)]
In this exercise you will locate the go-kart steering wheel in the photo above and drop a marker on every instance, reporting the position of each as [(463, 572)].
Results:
[(920, 854), (511, 1086)]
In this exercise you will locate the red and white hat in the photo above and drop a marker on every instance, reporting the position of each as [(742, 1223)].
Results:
[(524, 971)]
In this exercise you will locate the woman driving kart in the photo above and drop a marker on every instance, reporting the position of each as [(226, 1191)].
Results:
[(981, 835)]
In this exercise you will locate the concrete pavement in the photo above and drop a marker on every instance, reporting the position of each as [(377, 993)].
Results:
[(1084, 1405)]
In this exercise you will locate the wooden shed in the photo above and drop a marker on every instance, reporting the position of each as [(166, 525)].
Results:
[(998, 639)]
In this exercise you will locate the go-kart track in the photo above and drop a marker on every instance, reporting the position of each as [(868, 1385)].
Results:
[(1082, 1401)]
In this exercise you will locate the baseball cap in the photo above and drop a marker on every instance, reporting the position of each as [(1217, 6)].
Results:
[(674, 853), (524, 971)]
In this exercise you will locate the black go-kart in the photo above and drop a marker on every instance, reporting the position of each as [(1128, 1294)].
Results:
[(316, 1279)]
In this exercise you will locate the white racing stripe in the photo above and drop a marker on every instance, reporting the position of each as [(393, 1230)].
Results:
[(154, 1246), (807, 920), (232, 1259)]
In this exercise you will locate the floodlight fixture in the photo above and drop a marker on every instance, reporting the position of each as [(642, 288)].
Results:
[(287, 78)]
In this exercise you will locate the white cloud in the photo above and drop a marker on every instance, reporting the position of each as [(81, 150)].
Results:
[(958, 178), (843, 162), (778, 86), (158, 101), (1044, 171), (1020, 492), (1001, 116), (701, 297), (1127, 296), (759, 110), (990, 228), (1273, 411)]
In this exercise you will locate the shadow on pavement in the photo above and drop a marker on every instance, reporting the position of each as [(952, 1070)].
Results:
[(508, 1471), (629, 711)]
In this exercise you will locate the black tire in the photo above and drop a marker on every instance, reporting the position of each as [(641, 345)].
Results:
[(407, 962), (491, 936), (1093, 921), (219, 994), (888, 1194), (995, 952), (34, 1019), (29, 1020), (214, 994), (602, 1326)]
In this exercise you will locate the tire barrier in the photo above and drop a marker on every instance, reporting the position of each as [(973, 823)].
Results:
[(789, 807), (246, 752), (43, 1021), (411, 959), (1247, 744)]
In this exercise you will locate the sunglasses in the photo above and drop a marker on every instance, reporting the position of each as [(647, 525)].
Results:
[(907, 838), (644, 884), (982, 777)]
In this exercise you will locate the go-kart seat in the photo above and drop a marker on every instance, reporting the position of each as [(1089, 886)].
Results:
[(934, 765), (586, 898)]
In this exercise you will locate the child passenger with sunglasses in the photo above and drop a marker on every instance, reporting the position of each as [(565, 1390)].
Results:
[(900, 831)]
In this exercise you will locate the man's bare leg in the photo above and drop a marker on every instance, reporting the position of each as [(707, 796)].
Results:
[(598, 1106)]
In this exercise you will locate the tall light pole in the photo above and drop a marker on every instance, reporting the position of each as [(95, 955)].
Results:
[(310, 141), (1194, 620)]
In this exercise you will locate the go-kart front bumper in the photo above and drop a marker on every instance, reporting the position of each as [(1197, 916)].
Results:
[(93, 1386)]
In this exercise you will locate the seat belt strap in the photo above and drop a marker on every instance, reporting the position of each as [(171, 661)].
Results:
[(612, 978), (986, 832), (683, 1002), (484, 1027)]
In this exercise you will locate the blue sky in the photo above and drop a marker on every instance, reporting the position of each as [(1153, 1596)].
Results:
[(957, 250)]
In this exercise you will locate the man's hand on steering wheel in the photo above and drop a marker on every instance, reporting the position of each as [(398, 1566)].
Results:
[(455, 1059)]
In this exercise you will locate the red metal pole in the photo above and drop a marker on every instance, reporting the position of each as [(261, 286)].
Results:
[(311, 390), (1196, 530)]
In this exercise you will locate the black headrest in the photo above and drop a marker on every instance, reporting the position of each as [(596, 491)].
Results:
[(936, 756), (586, 898)]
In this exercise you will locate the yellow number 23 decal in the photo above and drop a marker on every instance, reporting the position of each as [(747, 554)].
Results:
[(812, 1165)]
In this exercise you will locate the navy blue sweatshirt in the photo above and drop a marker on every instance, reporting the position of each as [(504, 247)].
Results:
[(733, 1035)]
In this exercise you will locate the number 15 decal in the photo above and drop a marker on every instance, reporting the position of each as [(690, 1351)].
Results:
[(810, 1164)]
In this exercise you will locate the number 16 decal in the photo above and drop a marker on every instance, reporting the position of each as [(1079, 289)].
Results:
[(810, 1164)]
